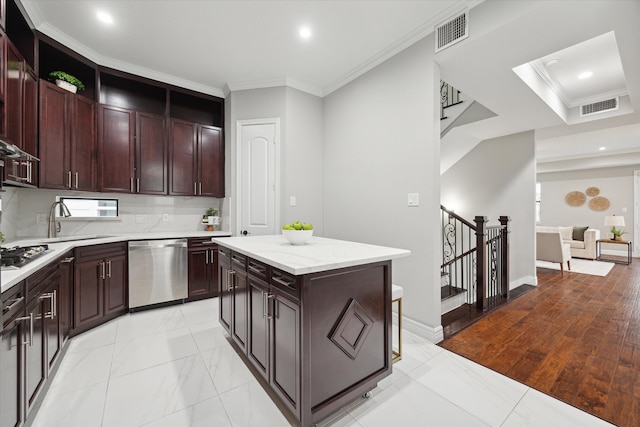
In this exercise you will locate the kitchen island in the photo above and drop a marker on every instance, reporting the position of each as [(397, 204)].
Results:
[(312, 321)]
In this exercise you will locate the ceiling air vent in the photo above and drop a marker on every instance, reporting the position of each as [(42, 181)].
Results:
[(452, 31), (599, 107)]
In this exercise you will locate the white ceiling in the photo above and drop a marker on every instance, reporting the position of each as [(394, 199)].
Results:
[(217, 46)]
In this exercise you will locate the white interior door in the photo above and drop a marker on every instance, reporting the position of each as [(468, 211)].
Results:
[(258, 145)]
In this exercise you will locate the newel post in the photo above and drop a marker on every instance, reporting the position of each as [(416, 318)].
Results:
[(504, 221), (481, 262)]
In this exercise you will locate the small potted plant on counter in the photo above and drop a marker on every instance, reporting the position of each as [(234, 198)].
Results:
[(66, 81), (212, 219)]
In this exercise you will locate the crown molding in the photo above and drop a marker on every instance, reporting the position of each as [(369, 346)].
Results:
[(276, 82), (414, 36)]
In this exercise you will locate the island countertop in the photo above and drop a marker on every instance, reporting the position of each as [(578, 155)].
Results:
[(318, 254)]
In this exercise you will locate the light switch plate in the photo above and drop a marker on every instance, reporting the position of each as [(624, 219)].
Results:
[(413, 199), (165, 217), (292, 200)]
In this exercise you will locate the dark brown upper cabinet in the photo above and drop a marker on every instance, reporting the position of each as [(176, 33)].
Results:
[(132, 151), (68, 141), (197, 159)]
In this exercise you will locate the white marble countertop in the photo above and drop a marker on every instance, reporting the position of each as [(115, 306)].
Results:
[(58, 246), (318, 254)]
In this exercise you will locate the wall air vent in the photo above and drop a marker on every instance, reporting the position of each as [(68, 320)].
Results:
[(599, 107), (452, 31)]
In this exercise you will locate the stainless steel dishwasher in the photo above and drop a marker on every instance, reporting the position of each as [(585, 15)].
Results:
[(157, 271)]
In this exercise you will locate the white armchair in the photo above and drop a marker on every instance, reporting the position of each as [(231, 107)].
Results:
[(551, 248)]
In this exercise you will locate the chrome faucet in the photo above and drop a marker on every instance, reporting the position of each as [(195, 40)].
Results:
[(54, 226)]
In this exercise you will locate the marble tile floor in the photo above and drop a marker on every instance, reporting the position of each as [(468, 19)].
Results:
[(174, 367)]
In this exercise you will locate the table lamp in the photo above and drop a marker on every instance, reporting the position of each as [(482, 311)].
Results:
[(614, 221)]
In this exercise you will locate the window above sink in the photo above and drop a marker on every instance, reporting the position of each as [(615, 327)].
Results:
[(88, 208)]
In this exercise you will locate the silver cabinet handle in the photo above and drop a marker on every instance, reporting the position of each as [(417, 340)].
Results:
[(137, 185), (212, 252), (29, 172), (53, 313), (269, 313), (109, 269), (67, 260), (54, 306), (131, 184), (102, 271), (76, 179), (13, 303), (69, 179), (200, 190), (31, 322), (282, 282), (194, 188), (206, 254), (264, 304)]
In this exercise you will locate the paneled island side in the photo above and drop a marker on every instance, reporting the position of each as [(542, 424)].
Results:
[(313, 321)]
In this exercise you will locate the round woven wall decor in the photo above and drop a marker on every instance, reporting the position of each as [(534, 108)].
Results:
[(575, 198), (593, 191), (599, 203)]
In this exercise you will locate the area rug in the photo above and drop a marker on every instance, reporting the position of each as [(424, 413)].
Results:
[(582, 266)]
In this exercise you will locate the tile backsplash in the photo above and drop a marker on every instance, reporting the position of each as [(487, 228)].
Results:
[(21, 206)]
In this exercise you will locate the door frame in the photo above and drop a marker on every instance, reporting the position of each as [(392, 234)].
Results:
[(239, 125)]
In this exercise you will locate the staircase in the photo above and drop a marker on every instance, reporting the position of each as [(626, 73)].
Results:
[(475, 265)]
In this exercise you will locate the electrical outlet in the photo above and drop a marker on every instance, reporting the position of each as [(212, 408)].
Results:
[(41, 218), (165, 217), (141, 218), (413, 199)]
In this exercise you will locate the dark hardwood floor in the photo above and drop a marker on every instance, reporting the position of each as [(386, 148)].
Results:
[(575, 337)]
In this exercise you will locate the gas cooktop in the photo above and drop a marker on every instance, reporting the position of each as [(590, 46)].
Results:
[(18, 256)]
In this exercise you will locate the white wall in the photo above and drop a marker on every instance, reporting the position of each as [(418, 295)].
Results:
[(302, 160), (616, 184), (382, 142), (21, 205), (301, 139), (497, 178)]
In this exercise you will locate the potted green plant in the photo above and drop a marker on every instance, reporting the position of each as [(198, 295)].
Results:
[(66, 81), (212, 218), (617, 233)]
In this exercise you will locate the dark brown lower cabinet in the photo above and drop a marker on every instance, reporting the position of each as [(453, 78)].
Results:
[(225, 288), (100, 284), (203, 268), (273, 345), (33, 339), (11, 360), (318, 341)]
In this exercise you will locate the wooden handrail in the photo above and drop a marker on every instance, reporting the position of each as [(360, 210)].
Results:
[(459, 218)]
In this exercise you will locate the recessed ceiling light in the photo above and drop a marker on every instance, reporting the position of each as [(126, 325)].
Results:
[(585, 75), (602, 148), (104, 17), (305, 32)]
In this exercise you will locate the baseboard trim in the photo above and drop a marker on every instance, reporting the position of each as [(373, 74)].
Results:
[(525, 280), (435, 335)]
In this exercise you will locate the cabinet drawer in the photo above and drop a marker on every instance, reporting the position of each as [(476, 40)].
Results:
[(201, 242), (87, 253), (224, 255), (41, 279), (286, 282), (239, 261), (13, 302), (257, 269)]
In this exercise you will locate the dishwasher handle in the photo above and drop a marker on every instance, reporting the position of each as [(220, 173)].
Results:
[(155, 244)]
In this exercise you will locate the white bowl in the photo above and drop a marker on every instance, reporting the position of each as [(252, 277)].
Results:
[(297, 237)]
